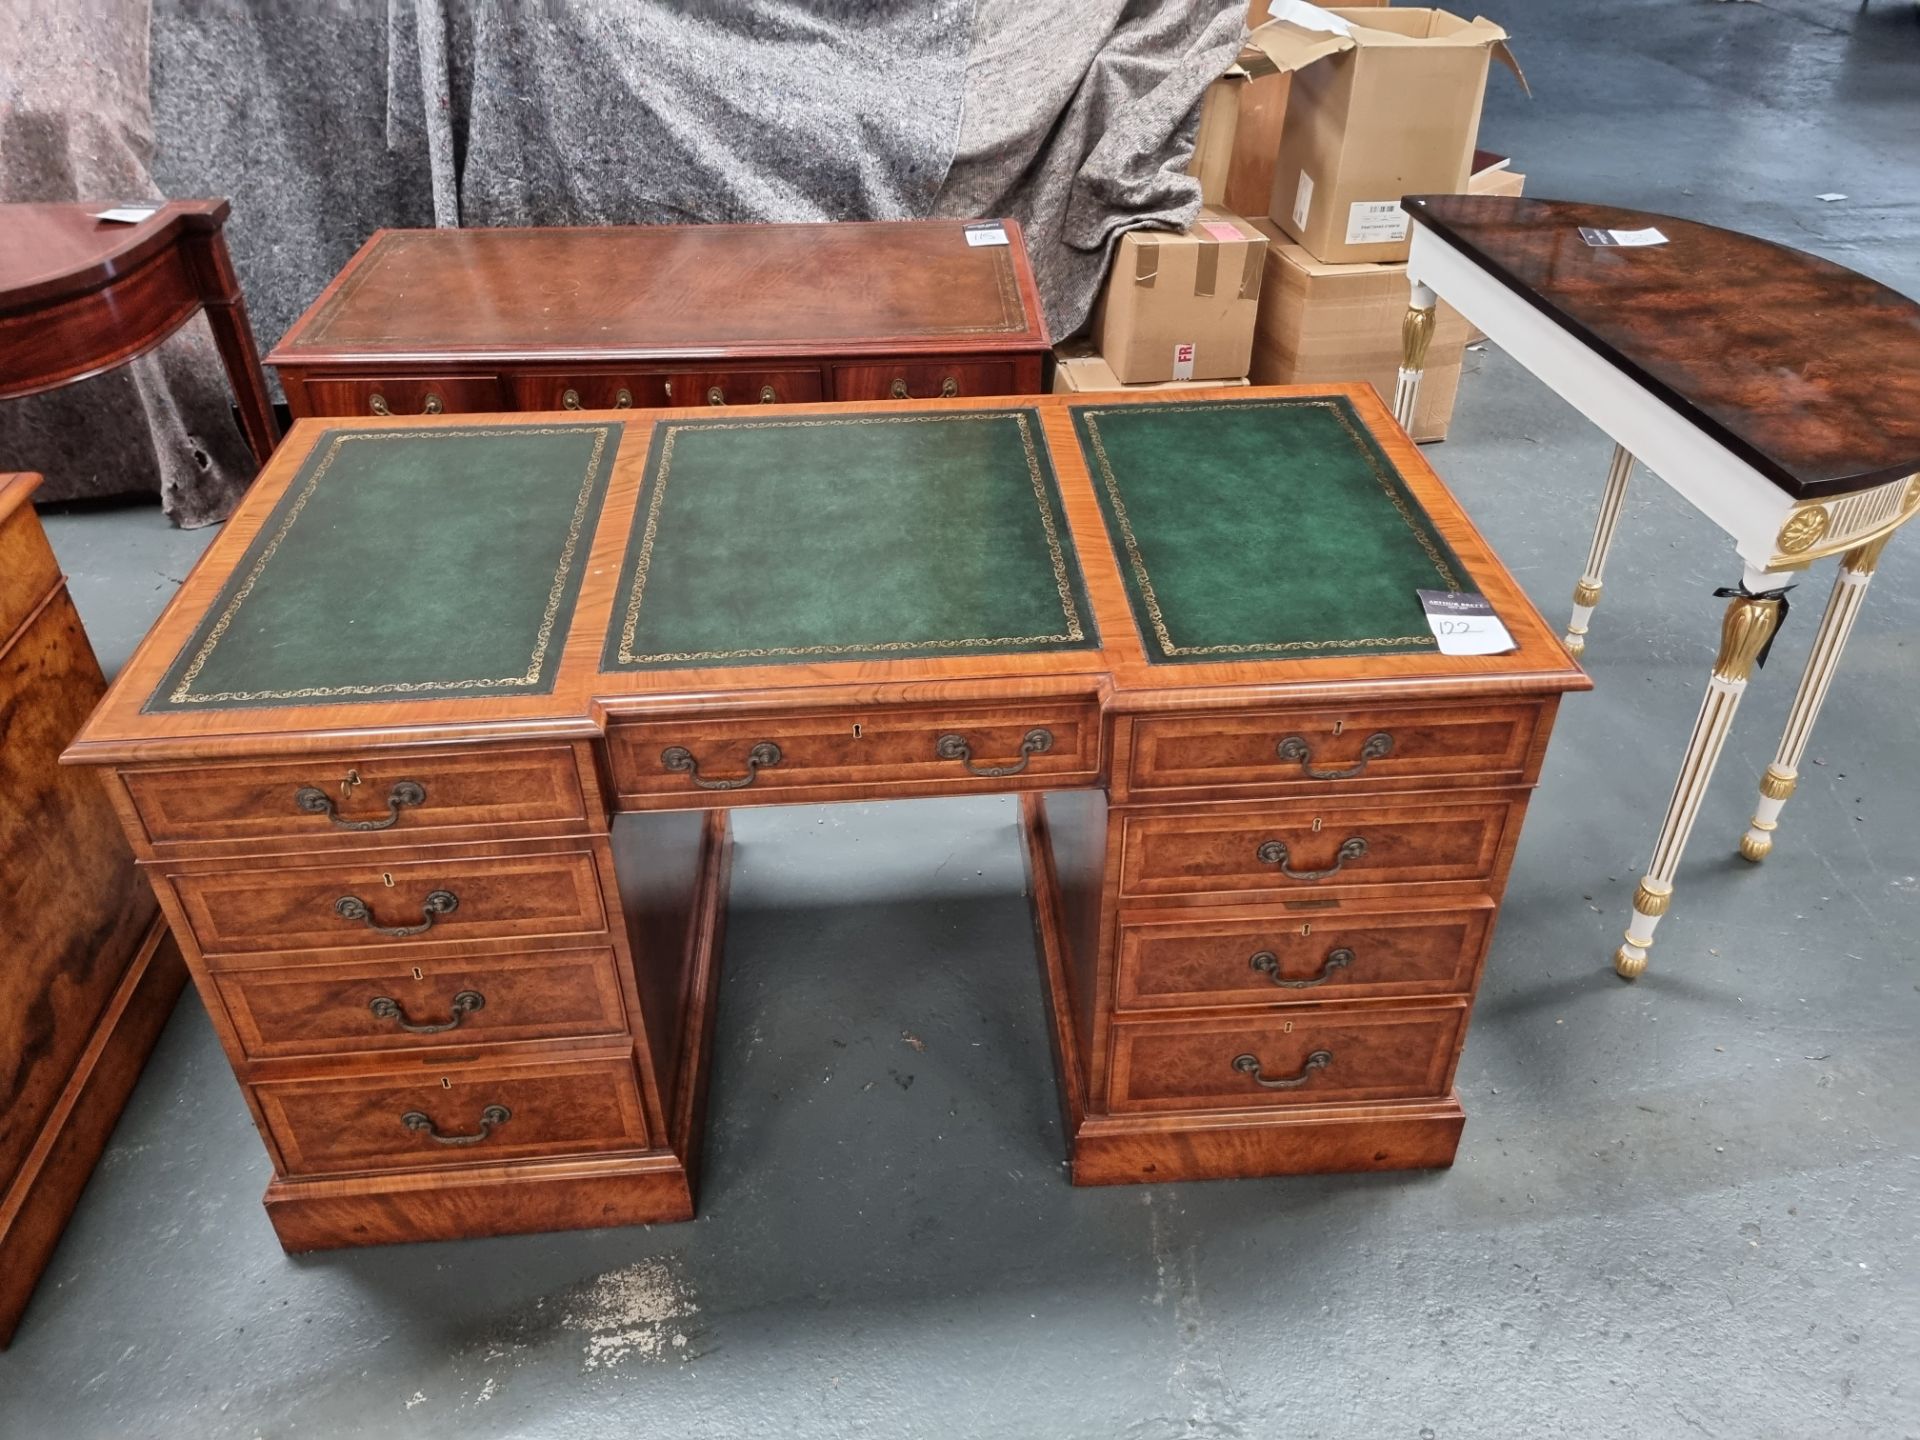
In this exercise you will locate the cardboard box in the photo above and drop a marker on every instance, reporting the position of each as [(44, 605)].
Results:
[(1180, 304), (1078, 369), (1320, 322), (1213, 142), (1383, 103)]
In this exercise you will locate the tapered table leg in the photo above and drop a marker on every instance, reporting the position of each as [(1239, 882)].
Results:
[(1416, 334), (1586, 594), (1744, 631), (1843, 608)]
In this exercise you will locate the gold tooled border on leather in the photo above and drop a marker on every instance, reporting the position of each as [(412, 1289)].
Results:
[(543, 637), (1136, 562), (1074, 630)]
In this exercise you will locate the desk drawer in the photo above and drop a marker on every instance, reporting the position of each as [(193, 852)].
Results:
[(1312, 752), (604, 390), (743, 387), (461, 1115), (1317, 1055), (335, 906), (923, 379), (1046, 743), (404, 395), (378, 798), (462, 1000), (1290, 851), (1287, 956)]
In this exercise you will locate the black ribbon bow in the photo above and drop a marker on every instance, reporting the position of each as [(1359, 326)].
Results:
[(1743, 593)]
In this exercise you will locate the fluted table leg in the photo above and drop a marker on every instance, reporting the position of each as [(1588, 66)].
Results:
[(1416, 334), (1586, 594)]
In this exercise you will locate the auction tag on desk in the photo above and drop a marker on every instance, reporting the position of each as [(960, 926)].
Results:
[(127, 214), (1605, 238), (987, 232), (1464, 623)]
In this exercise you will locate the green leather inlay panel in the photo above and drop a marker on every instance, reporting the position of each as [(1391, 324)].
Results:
[(1262, 529), (812, 539), (406, 563)]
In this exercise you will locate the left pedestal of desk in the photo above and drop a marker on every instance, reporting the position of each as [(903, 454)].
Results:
[(422, 963), (88, 975)]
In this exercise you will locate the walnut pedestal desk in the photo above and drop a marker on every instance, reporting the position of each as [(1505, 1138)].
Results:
[(1777, 392), (79, 296), (431, 760), (88, 974), (450, 321)]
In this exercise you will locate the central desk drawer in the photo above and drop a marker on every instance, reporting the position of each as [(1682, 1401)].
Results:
[(980, 747), (461, 1000), (1316, 1055), (461, 1115), (1287, 852), (1281, 957), (370, 904), (403, 394), (1320, 751), (376, 798)]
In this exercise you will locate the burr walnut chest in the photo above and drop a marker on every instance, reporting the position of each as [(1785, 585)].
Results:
[(431, 761), (634, 317)]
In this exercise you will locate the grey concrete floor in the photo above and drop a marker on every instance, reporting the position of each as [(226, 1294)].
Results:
[(1684, 1207)]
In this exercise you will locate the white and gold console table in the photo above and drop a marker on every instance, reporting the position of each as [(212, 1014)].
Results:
[(1777, 392)]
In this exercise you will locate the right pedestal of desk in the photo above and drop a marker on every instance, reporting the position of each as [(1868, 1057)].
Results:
[(1262, 942)]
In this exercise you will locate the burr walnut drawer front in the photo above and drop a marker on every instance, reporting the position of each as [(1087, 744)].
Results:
[(404, 394), (1286, 852), (1277, 957), (1309, 752), (457, 1115), (374, 798), (923, 379), (382, 902), (461, 1000), (1054, 743), (1315, 1055)]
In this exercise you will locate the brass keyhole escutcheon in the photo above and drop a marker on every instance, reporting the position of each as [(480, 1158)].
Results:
[(418, 974), (1338, 726), (445, 1083), (1306, 928), (1316, 824), (386, 878), (856, 730), (1287, 1029)]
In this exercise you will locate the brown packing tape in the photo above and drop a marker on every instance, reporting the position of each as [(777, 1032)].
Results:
[(1206, 268), (1251, 269), (1146, 263)]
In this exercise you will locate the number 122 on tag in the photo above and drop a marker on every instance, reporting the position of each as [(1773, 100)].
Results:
[(1464, 623)]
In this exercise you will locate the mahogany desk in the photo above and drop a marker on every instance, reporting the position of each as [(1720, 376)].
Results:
[(1777, 392), (79, 296), (431, 758), (445, 321)]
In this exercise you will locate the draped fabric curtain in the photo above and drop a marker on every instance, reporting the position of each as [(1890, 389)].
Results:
[(324, 120)]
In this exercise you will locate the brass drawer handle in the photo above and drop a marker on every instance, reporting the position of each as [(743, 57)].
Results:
[(418, 1121), (767, 396), (433, 405), (949, 387), (464, 1004), (1274, 852), (569, 399), (377, 403), (1249, 1065), (1036, 741), (1268, 964), (716, 396), (679, 759), (437, 903), (623, 399), (315, 801), (1294, 750)]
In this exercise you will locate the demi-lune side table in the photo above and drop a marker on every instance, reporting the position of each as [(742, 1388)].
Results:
[(1777, 392), (80, 296)]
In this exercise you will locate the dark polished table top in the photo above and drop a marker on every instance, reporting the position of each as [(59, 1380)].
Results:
[(1806, 370), (52, 251)]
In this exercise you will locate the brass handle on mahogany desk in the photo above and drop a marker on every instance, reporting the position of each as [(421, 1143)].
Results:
[(1036, 741), (679, 759), (949, 388), (464, 1003), (569, 399), (716, 395), (767, 397), (1268, 964), (417, 1121), (437, 903), (1274, 852), (623, 399), (315, 801), (377, 403), (1294, 750), (1249, 1065)]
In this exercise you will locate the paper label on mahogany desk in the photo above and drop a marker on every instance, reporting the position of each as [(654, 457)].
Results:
[(426, 564), (1263, 530), (867, 536)]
